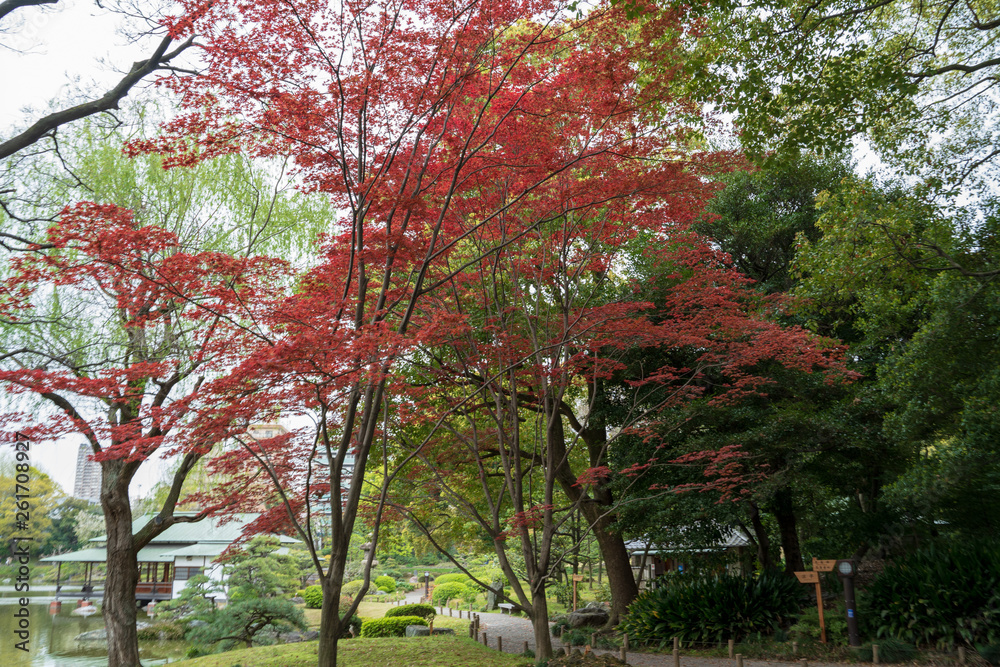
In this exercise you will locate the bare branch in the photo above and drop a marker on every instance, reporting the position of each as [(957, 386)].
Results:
[(107, 102), (8, 6)]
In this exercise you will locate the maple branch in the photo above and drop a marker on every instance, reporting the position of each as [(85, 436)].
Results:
[(520, 604), (166, 517), (77, 418), (107, 102)]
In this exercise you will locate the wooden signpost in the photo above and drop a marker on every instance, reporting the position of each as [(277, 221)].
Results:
[(812, 577)]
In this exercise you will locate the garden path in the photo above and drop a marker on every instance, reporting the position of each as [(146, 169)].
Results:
[(515, 631)]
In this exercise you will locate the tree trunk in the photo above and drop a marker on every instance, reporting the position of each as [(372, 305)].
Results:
[(119, 607), (619, 567), (760, 537), (784, 513), (540, 624), (596, 509), (329, 627)]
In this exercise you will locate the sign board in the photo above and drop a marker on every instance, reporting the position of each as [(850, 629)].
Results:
[(824, 565), (578, 577), (809, 577)]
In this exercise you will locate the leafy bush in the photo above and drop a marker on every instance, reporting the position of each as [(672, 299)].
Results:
[(393, 626), (251, 621), (560, 625), (422, 610), (452, 578), (712, 609), (449, 591), (355, 622), (939, 596), (575, 637), (352, 587), (807, 624), (313, 596), (563, 594), (404, 586), (603, 593), (387, 584), (193, 603)]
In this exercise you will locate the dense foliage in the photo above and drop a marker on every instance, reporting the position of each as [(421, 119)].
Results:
[(450, 591), (451, 577), (313, 595), (712, 609), (422, 610), (393, 626), (249, 621), (386, 583), (941, 595)]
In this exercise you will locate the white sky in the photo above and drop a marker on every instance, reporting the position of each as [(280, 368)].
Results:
[(46, 54)]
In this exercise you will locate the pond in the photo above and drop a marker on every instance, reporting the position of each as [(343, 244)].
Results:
[(53, 640)]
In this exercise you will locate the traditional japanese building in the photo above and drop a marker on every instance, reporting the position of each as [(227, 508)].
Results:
[(167, 562)]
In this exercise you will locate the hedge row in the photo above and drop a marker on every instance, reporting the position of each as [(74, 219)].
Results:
[(422, 610), (392, 626)]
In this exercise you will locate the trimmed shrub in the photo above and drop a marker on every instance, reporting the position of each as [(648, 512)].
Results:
[(712, 609), (449, 591), (387, 584), (313, 595), (939, 596), (393, 626), (422, 610), (352, 588), (452, 578)]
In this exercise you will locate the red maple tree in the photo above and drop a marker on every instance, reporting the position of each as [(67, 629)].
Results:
[(431, 126), (115, 327), (553, 320)]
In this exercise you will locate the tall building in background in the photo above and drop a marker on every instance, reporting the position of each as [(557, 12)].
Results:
[(87, 485)]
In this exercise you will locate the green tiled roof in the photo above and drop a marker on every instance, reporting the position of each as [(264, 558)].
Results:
[(154, 554), (207, 530)]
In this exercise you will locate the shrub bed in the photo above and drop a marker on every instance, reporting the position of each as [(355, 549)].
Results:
[(449, 591), (425, 611), (385, 583), (939, 595), (712, 609), (393, 626)]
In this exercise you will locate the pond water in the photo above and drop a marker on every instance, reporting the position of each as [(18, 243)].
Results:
[(53, 640)]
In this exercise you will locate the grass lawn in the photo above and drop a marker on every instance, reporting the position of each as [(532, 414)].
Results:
[(443, 651)]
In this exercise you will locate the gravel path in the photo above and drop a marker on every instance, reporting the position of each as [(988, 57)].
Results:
[(515, 631)]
